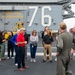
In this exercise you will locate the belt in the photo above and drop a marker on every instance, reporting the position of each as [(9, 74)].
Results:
[(20, 46)]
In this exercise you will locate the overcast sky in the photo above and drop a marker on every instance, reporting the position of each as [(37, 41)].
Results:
[(71, 21)]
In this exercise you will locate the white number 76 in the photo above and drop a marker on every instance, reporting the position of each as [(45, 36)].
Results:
[(43, 15)]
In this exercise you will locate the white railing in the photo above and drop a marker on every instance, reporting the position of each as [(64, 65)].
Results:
[(30, 1), (13, 7)]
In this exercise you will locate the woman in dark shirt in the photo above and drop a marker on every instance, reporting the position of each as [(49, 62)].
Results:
[(10, 45), (48, 40), (2, 45)]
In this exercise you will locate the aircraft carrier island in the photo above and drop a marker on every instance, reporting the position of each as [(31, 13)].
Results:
[(33, 14)]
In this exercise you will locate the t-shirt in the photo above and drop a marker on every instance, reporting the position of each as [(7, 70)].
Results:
[(48, 39), (33, 38), (20, 38)]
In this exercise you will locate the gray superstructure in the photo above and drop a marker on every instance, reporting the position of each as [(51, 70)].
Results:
[(33, 14)]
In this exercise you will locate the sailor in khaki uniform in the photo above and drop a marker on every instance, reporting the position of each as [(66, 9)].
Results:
[(64, 46)]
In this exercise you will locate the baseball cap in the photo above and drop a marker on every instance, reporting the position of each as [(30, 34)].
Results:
[(22, 29)]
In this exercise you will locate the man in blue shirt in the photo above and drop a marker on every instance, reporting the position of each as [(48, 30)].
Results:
[(14, 40)]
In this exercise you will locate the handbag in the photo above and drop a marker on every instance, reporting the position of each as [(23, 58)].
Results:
[(34, 43)]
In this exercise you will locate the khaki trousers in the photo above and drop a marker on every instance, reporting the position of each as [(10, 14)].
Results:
[(47, 47)]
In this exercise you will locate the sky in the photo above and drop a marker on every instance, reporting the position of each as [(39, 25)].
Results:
[(71, 21)]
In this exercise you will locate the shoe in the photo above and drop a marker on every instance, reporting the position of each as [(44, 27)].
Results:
[(55, 59), (3, 58), (21, 69), (69, 72), (26, 67), (7, 57), (16, 64), (71, 59), (0, 59), (34, 60), (12, 57), (44, 61), (50, 61), (26, 58), (31, 60)]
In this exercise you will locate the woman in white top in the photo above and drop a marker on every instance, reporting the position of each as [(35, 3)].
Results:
[(33, 45)]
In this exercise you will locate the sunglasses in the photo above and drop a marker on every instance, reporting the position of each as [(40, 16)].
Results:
[(34, 32)]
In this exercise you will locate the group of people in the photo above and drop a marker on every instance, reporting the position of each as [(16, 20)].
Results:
[(20, 40), (19, 43)]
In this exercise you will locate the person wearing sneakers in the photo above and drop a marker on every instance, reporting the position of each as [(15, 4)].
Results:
[(14, 41), (47, 40), (21, 50), (33, 45), (10, 46)]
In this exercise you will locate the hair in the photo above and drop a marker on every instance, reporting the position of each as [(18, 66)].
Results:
[(45, 28), (58, 31), (63, 26), (11, 33), (33, 32), (1, 34), (50, 33)]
